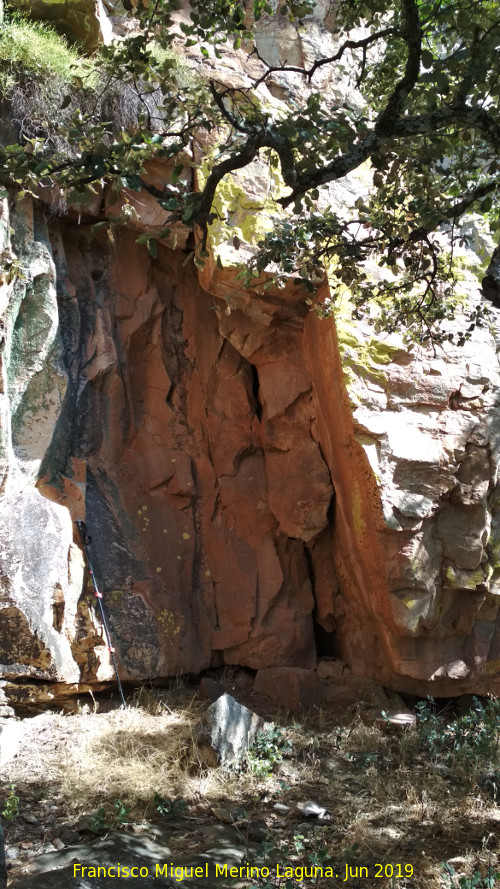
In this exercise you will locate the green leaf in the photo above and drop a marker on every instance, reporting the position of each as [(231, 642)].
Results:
[(442, 82), (427, 58), (171, 204), (153, 247), (176, 172)]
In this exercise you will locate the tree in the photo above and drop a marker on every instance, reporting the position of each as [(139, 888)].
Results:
[(429, 128)]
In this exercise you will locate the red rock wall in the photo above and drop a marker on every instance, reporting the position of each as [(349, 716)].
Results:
[(363, 620), (207, 493), (203, 433), (455, 651)]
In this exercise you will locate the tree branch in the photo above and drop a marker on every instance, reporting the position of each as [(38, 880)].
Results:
[(364, 43), (457, 113), (386, 121), (234, 162), (226, 113), (413, 37)]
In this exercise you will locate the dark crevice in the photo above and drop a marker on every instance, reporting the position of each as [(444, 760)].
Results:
[(330, 513), (324, 640), (169, 395), (255, 392)]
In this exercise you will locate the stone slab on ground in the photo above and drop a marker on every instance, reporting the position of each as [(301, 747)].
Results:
[(230, 728)]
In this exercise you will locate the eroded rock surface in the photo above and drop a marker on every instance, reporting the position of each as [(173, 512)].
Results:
[(415, 468), (256, 493), (206, 493), (79, 20)]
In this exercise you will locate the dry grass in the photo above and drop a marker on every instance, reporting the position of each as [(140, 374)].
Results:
[(133, 754)]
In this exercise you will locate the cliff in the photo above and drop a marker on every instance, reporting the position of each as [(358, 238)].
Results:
[(262, 487)]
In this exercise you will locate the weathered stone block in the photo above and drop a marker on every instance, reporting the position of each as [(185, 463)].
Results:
[(231, 729), (291, 687)]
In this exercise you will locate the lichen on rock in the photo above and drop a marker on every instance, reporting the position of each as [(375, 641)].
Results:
[(254, 478)]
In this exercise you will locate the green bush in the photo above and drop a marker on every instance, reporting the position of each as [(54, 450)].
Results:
[(473, 738), (102, 820), (10, 810), (267, 751)]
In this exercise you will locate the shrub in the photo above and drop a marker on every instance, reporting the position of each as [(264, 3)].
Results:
[(267, 751), (473, 738), (11, 808)]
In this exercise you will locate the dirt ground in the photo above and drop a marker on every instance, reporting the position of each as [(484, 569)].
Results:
[(413, 814)]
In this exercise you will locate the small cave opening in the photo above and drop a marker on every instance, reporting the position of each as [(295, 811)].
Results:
[(256, 392), (324, 640)]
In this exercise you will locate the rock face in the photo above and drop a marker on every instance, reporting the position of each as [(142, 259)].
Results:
[(413, 447), (261, 489), (200, 444), (206, 493), (79, 20)]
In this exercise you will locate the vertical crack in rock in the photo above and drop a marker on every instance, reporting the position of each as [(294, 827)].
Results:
[(324, 635), (255, 392)]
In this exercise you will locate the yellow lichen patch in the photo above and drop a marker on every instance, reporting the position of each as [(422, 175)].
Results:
[(170, 623), (363, 355), (114, 595), (239, 216), (463, 579), (186, 536)]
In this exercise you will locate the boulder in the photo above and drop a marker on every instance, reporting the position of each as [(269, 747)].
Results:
[(291, 687), (78, 20), (230, 728)]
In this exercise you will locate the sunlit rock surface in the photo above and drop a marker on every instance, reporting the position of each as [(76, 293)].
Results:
[(259, 489), (415, 469), (79, 20)]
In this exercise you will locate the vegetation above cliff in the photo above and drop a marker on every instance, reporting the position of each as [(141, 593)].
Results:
[(429, 126)]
